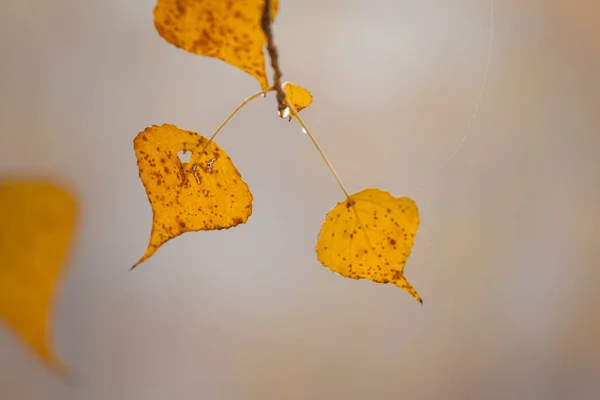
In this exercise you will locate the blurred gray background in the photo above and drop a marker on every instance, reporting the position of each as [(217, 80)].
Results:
[(506, 259)]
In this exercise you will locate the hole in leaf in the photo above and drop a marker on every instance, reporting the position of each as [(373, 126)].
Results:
[(184, 156)]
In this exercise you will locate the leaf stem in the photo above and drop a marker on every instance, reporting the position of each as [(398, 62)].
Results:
[(294, 113), (282, 99), (229, 117), (238, 108)]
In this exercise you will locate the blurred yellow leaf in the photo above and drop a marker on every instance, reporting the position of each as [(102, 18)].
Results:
[(225, 29), (204, 194), (370, 236), (298, 96), (36, 227)]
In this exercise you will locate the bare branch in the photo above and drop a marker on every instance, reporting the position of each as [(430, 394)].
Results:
[(273, 55)]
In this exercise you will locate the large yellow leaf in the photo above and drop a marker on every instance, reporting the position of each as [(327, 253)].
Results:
[(370, 236), (229, 30), (205, 194), (36, 228)]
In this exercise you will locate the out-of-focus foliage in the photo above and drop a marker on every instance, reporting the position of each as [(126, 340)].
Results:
[(37, 220)]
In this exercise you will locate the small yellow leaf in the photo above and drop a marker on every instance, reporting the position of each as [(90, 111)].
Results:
[(298, 96), (225, 29), (204, 194), (36, 228), (370, 236)]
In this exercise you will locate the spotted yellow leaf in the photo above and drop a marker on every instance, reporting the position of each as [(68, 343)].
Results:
[(370, 236), (205, 193), (228, 30), (37, 219)]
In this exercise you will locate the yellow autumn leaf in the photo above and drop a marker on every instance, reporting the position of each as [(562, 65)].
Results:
[(205, 194), (298, 96), (36, 227), (225, 29), (370, 237)]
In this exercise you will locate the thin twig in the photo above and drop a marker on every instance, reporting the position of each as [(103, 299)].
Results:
[(265, 23)]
